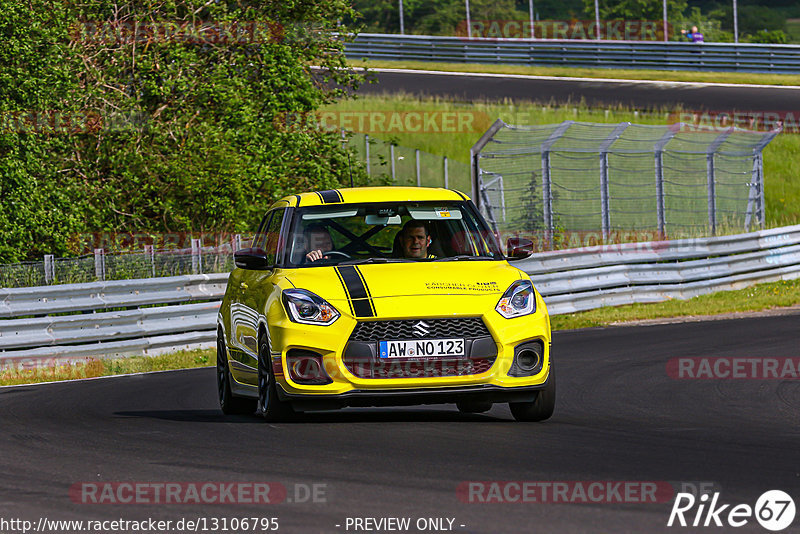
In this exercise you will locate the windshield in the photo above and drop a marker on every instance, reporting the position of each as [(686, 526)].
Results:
[(383, 232)]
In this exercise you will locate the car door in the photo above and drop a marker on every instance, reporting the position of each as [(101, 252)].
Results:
[(253, 290)]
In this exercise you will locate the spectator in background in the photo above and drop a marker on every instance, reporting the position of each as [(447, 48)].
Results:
[(694, 35)]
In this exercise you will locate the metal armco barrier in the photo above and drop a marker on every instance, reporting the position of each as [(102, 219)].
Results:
[(570, 280), (612, 275), (107, 319), (580, 53)]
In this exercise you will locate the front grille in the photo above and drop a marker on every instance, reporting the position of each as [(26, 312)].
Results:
[(407, 368), (370, 331)]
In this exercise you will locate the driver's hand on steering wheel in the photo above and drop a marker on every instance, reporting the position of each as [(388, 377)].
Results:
[(314, 255)]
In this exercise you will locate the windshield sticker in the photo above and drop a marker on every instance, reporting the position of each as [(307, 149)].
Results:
[(442, 212), (487, 287)]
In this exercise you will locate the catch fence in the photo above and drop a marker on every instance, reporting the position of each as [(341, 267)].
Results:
[(557, 180)]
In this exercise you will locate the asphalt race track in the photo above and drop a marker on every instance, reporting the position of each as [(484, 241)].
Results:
[(619, 417), (595, 93)]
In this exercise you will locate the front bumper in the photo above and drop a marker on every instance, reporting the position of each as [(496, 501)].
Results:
[(412, 396), (349, 389)]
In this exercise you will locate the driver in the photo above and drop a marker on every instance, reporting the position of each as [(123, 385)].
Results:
[(415, 240), (319, 241)]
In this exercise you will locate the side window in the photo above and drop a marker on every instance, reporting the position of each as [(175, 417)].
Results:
[(272, 236), (259, 239)]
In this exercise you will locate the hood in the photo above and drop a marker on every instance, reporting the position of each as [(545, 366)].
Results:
[(410, 289)]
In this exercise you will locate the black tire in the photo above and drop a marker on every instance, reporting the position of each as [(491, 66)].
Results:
[(269, 406), (474, 407), (228, 403), (541, 408)]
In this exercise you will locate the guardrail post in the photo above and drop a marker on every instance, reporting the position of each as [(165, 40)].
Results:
[(100, 264), (391, 157), (416, 157), (659, 157), (49, 268), (446, 179), (150, 254), (197, 260), (366, 152), (605, 204), (711, 175)]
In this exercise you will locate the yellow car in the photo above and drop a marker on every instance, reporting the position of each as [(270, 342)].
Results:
[(381, 296)]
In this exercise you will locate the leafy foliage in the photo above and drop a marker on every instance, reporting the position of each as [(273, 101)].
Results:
[(178, 134)]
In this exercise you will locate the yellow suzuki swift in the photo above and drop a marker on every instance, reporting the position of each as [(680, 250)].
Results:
[(381, 296)]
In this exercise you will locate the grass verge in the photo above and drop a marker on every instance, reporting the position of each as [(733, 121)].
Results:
[(755, 298), (93, 368), (572, 72)]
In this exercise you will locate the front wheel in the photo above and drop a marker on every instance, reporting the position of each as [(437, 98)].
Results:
[(541, 408), (270, 407), (229, 404)]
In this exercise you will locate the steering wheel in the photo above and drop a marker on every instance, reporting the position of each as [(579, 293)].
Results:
[(337, 253)]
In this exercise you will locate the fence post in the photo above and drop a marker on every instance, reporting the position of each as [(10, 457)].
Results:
[(237, 242), (474, 160), (659, 157), (446, 179), (366, 151), (49, 269), (197, 260), (416, 157), (711, 177), (391, 156), (755, 202), (100, 264), (150, 253), (605, 202), (547, 197)]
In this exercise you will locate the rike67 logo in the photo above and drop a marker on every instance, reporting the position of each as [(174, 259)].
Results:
[(774, 510)]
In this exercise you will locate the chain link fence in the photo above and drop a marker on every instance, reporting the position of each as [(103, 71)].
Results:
[(555, 181), (390, 164), (149, 262)]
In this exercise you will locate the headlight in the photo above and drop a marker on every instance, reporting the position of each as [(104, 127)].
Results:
[(518, 300), (307, 308)]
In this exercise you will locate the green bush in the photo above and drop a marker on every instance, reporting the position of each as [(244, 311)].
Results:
[(169, 135)]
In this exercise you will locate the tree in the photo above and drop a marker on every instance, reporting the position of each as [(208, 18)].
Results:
[(635, 9), (187, 103)]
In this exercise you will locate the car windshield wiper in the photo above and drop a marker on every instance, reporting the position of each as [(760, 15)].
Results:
[(373, 260), (465, 257)]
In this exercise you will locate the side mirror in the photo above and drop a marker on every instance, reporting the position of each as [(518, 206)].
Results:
[(254, 259), (518, 248)]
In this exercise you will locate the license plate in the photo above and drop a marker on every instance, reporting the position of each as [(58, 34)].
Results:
[(423, 348)]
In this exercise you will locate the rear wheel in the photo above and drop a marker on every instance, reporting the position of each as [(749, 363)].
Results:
[(474, 407), (270, 407), (229, 404), (541, 408)]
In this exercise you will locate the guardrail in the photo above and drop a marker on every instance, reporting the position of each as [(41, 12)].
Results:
[(612, 275), (783, 59), (116, 318), (151, 315)]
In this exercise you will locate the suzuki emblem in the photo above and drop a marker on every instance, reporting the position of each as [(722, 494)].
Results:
[(421, 329)]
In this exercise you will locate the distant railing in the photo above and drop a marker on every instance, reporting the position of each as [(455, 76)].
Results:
[(781, 59)]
